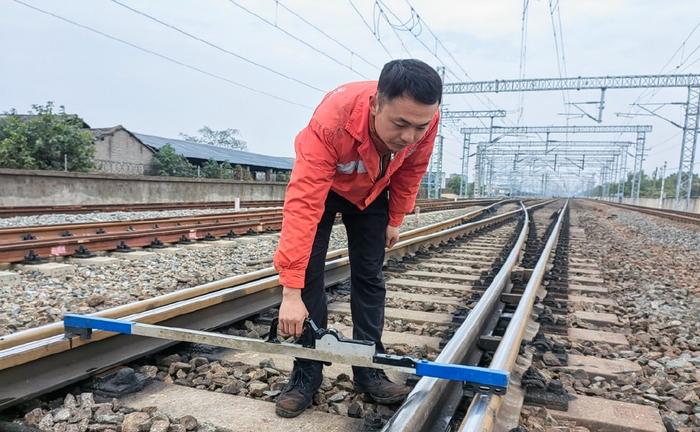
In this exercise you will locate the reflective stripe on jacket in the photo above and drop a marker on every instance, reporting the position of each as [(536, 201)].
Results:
[(335, 152)]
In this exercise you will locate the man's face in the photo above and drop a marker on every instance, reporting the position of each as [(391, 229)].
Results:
[(401, 121)]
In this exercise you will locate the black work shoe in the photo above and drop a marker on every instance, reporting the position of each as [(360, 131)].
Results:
[(375, 383), (298, 394)]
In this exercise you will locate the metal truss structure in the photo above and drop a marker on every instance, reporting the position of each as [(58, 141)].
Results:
[(578, 83), (690, 125), (433, 178), (499, 163), (447, 115)]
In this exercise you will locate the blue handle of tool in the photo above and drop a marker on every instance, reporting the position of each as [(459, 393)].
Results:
[(72, 321), (493, 378)]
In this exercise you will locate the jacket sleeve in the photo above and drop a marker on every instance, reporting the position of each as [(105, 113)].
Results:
[(405, 182), (304, 202)]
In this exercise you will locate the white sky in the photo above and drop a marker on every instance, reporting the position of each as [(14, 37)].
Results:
[(109, 83)]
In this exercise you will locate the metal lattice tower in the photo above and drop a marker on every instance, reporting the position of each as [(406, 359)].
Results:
[(684, 180), (638, 160), (434, 175), (464, 180)]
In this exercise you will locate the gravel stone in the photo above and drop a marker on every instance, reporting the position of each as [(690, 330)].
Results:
[(136, 422), (189, 422)]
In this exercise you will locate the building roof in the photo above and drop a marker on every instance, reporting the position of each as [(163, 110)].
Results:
[(192, 150)]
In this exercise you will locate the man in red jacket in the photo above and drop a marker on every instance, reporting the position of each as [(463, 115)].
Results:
[(363, 155)]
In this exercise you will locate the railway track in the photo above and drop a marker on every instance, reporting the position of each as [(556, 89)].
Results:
[(34, 244), (680, 216), (461, 291), (13, 211), (24, 355)]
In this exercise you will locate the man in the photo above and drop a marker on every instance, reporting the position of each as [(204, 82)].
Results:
[(363, 155)]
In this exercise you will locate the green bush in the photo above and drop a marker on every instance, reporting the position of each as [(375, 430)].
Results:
[(168, 163), (45, 140)]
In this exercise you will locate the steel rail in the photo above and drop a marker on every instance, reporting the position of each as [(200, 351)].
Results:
[(39, 366), (133, 225), (484, 408), (39, 242), (47, 330), (19, 354), (39, 232), (417, 412), (680, 216), (12, 211), (155, 237)]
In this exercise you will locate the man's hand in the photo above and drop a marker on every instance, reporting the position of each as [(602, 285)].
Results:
[(392, 236), (292, 313)]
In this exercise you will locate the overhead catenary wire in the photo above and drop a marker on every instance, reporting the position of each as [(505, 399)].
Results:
[(369, 27), (411, 23), (560, 57), (417, 21), (297, 38), (315, 27), (655, 91), (159, 55), (523, 57), (215, 46), (379, 13)]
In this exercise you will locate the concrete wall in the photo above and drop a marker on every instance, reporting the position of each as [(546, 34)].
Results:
[(120, 153), (667, 204), (32, 188)]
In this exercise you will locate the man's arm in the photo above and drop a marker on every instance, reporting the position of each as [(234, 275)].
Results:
[(405, 182), (304, 204)]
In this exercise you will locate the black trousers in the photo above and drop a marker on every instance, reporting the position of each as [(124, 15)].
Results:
[(366, 232)]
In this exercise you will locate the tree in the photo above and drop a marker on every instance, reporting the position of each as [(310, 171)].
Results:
[(227, 138), (211, 169), (168, 163), (226, 170), (45, 140), (241, 173), (650, 187), (452, 185)]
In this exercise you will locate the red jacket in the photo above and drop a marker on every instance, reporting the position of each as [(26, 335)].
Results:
[(335, 152)]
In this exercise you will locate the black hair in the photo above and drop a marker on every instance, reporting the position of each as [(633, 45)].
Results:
[(410, 77)]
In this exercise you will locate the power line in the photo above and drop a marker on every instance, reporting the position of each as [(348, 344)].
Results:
[(523, 55), (654, 92), (374, 33), (417, 22), (561, 38), (162, 56), (298, 39), (561, 62), (352, 53), (211, 44), (382, 14)]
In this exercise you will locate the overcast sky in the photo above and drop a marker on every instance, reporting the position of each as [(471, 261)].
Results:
[(108, 82)]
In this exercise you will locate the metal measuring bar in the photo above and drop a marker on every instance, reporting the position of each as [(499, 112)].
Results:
[(326, 345)]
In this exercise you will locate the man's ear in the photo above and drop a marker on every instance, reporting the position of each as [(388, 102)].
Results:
[(374, 104)]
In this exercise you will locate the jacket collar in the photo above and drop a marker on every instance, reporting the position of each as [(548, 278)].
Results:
[(358, 126), (358, 120)]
